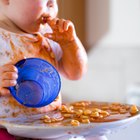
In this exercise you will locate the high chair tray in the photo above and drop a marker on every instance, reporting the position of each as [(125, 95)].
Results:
[(34, 127)]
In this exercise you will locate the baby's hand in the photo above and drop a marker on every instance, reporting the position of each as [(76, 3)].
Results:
[(8, 76), (63, 31)]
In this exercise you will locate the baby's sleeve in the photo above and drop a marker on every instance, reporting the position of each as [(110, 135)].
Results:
[(56, 49)]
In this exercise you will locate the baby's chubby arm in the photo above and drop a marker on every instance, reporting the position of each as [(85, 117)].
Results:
[(8, 77), (73, 63)]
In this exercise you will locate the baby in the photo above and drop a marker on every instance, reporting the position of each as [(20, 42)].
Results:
[(30, 28)]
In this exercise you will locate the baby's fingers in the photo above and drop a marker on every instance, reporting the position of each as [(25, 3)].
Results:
[(4, 92), (9, 76), (53, 24), (8, 83), (61, 24), (8, 68), (68, 25)]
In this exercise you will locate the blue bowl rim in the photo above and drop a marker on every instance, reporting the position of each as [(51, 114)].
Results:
[(33, 58)]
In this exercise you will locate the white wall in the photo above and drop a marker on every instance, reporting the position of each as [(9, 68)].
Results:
[(124, 21)]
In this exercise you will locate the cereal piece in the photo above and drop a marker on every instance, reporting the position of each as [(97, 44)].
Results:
[(75, 123), (87, 112), (67, 115), (70, 109), (104, 113), (92, 119), (64, 108), (47, 121), (95, 114), (45, 117), (115, 108), (85, 121), (79, 112), (83, 104), (134, 109), (80, 104), (96, 110), (53, 120), (101, 116), (84, 117)]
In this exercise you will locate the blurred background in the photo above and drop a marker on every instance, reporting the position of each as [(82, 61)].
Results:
[(110, 32)]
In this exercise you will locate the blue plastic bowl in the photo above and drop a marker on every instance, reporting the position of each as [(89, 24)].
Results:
[(38, 83)]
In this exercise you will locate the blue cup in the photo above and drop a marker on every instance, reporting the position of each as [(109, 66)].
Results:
[(38, 83)]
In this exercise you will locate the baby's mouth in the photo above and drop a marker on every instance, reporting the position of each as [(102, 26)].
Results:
[(45, 19)]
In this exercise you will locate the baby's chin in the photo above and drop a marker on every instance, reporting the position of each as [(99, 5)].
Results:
[(35, 27), (31, 29)]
